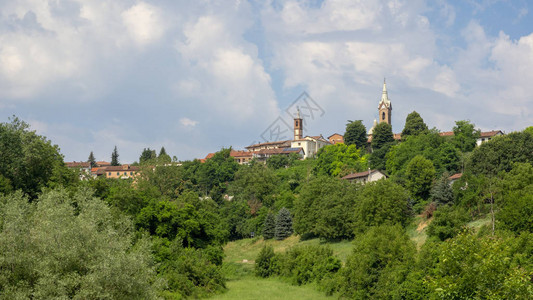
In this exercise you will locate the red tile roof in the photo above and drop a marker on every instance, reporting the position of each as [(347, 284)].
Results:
[(490, 133), (455, 176), (446, 133), (77, 164), (359, 175), (269, 144)]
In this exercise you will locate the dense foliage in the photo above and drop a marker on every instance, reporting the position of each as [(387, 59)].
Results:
[(355, 134), (161, 234)]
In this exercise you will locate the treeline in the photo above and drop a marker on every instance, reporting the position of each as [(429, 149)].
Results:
[(166, 228)]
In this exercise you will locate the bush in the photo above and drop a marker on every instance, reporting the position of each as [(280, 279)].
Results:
[(265, 262), (305, 264), (71, 247), (448, 222), (380, 262)]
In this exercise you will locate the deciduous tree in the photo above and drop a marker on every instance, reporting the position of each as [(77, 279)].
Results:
[(356, 134), (414, 125)]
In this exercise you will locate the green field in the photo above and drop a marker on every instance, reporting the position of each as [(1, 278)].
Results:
[(251, 287), (240, 258)]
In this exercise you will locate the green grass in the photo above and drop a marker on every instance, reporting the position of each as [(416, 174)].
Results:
[(477, 224), (417, 230), (269, 288)]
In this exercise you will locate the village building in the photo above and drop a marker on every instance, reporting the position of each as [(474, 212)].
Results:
[(364, 177), (116, 172), (83, 167), (336, 139)]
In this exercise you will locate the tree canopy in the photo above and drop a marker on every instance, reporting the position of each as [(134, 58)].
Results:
[(356, 134), (414, 125), (382, 135)]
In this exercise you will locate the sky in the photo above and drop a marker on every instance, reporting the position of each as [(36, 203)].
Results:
[(196, 76)]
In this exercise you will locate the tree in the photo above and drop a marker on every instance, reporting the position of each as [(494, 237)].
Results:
[(114, 157), (163, 157), (92, 160), (448, 222), (324, 208), (283, 224), (277, 161), (380, 262), (465, 136), (71, 245), (442, 192), (471, 267), (269, 226), (148, 156), (382, 135), (340, 160), (28, 161), (356, 134), (428, 145), (381, 202), (420, 174), (414, 125), (501, 152)]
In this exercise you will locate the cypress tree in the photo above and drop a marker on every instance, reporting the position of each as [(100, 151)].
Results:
[(114, 157), (414, 125), (355, 134), (283, 224), (269, 226), (92, 160)]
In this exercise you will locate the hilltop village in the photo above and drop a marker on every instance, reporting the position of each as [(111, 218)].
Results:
[(306, 146), (303, 146)]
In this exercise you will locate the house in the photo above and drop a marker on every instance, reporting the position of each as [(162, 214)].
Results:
[(242, 157), (263, 155), (455, 177), (336, 139), (487, 136), (364, 177), (123, 172), (484, 136), (310, 145), (83, 167)]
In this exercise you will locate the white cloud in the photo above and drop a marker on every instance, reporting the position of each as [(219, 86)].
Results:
[(143, 22), (188, 122)]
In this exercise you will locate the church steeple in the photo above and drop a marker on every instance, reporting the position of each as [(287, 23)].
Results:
[(298, 126), (385, 106)]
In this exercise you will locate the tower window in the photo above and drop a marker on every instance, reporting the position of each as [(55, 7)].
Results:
[(296, 122), (383, 115)]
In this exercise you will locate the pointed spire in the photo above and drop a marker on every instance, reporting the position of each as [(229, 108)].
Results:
[(385, 96), (298, 112)]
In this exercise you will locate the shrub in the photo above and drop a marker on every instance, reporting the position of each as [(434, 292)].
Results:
[(265, 262), (309, 263)]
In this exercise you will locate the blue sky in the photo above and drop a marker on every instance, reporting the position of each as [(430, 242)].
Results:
[(196, 76)]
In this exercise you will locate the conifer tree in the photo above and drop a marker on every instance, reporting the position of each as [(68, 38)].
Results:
[(442, 192), (114, 157), (269, 226), (283, 224), (92, 160)]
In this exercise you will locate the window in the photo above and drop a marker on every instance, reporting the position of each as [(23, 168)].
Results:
[(109, 174), (383, 116), (299, 144), (131, 173), (118, 173)]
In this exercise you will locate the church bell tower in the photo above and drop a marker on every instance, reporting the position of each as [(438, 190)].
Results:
[(298, 127), (385, 107)]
